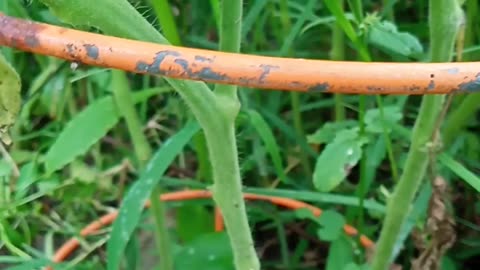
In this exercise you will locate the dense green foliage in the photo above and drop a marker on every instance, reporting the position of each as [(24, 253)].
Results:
[(76, 154)]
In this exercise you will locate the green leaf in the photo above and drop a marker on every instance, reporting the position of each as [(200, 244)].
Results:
[(10, 99), (323, 20), (336, 9), (31, 264), (460, 170), (132, 205), (385, 36), (28, 176), (270, 143), (193, 220), (332, 225), (5, 168), (252, 17), (304, 213), (101, 14), (340, 254), (329, 131), (132, 254), (354, 266), (337, 159), (374, 122), (80, 133), (208, 251)]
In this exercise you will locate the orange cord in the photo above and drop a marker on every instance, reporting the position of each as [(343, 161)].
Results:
[(68, 247), (219, 225), (239, 69), (228, 68)]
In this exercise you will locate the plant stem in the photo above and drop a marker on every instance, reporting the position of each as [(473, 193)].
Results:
[(338, 53), (227, 194), (222, 145), (215, 113), (230, 38), (444, 18), (143, 153)]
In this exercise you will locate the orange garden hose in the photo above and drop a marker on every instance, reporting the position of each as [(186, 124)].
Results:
[(68, 247), (240, 69)]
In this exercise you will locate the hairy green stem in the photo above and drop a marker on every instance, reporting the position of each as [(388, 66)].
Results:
[(230, 38), (222, 145), (143, 153), (215, 113), (444, 19)]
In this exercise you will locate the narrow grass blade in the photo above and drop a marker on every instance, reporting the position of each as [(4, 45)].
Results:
[(84, 130), (164, 14), (252, 17), (31, 264), (132, 205), (270, 143), (460, 170), (336, 9), (327, 198)]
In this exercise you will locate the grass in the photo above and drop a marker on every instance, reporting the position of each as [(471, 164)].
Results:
[(90, 140)]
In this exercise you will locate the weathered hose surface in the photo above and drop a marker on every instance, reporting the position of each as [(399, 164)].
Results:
[(245, 70)]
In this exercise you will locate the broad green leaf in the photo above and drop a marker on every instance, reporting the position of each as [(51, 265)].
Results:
[(375, 123), (386, 37), (337, 159), (208, 251), (270, 143), (340, 254), (10, 99), (329, 131), (84, 130), (331, 225), (132, 205)]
